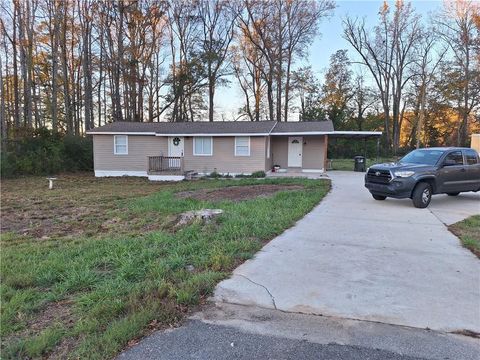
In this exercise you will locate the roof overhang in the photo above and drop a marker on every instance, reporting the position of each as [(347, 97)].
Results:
[(356, 134), (300, 133), (215, 135), (340, 134), (119, 133)]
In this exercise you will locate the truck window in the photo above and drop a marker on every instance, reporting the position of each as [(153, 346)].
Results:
[(471, 157), (455, 156)]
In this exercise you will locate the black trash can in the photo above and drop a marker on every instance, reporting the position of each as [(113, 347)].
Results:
[(359, 163)]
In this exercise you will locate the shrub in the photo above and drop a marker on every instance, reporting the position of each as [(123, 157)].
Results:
[(214, 175), (43, 152), (258, 174)]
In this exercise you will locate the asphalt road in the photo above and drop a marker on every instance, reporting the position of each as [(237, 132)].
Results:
[(198, 340)]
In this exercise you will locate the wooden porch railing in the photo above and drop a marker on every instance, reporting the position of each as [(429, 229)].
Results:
[(165, 164)]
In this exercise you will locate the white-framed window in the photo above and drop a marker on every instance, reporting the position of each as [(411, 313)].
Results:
[(120, 145), (202, 146), (242, 145)]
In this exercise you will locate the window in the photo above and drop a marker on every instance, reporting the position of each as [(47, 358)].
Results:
[(456, 156), (120, 146), (242, 146), (202, 146), (471, 157)]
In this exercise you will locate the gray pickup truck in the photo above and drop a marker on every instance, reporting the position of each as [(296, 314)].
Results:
[(425, 172)]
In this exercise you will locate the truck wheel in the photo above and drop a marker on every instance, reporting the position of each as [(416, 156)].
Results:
[(422, 194), (379, 197), (453, 194)]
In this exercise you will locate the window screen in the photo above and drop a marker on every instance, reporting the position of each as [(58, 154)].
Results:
[(242, 146), (120, 145)]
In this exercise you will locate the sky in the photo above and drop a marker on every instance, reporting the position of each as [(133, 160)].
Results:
[(229, 98)]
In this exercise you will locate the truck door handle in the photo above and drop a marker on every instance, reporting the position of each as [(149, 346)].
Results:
[(462, 170)]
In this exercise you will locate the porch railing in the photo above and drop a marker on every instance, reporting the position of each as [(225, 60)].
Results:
[(162, 164)]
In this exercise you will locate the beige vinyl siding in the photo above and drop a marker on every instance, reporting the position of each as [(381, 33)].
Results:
[(314, 152), (139, 148), (223, 159), (279, 147), (313, 156)]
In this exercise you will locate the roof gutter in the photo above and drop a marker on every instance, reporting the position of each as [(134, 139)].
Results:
[(118, 133)]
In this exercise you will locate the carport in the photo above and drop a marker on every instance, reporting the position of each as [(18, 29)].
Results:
[(362, 136)]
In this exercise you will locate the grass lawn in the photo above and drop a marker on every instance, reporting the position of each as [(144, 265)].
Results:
[(348, 164), (91, 266), (468, 231)]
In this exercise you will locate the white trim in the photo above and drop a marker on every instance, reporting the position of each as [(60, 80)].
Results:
[(214, 135), (300, 133), (211, 147), (119, 133), (236, 137), (313, 170), (115, 145), (356, 133), (114, 173), (166, 177), (294, 133), (237, 134), (233, 174), (268, 147)]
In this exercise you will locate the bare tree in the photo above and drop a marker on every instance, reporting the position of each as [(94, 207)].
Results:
[(388, 56), (456, 25), (218, 20)]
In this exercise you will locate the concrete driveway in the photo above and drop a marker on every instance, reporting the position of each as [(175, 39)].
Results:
[(357, 258)]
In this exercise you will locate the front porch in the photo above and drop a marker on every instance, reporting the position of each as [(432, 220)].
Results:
[(297, 173), (166, 168)]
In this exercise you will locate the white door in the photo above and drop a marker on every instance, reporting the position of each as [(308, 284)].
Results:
[(295, 148), (175, 149)]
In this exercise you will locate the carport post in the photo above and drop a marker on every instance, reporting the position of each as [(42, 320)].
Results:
[(365, 148)]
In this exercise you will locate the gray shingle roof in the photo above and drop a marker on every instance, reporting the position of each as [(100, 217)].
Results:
[(307, 126), (214, 128)]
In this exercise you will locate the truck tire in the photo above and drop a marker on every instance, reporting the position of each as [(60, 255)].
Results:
[(379, 197), (422, 194), (453, 194)]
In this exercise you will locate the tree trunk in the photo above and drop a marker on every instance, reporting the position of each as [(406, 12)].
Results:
[(287, 88), (16, 87)]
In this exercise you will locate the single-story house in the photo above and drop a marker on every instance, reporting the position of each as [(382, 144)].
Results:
[(166, 151)]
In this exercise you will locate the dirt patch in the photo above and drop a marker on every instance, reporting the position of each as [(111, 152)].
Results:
[(64, 349), (78, 205), (56, 312), (236, 193)]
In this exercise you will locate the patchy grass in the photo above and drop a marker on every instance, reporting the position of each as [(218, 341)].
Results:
[(468, 231), (348, 164), (89, 267)]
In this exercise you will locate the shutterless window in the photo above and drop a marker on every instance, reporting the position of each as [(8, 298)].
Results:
[(471, 157), (456, 156), (242, 146), (202, 146), (120, 145)]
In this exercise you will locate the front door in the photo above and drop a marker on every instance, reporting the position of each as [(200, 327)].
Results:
[(295, 151), (175, 149)]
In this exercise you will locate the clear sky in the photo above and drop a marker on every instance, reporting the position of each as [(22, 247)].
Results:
[(229, 98)]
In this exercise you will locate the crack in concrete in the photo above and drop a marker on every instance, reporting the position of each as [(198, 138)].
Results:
[(268, 291), (437, 217)]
